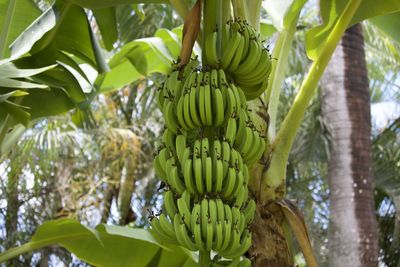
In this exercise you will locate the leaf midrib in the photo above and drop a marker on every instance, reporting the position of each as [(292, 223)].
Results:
[(6, 27)]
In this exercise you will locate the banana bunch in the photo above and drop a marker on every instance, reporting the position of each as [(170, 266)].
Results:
[(208, 225), (205, 98), (207, 167), (208, 143), (243, 56)]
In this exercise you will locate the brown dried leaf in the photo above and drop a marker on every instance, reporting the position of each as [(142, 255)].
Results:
[(295, 219), (191, 29)]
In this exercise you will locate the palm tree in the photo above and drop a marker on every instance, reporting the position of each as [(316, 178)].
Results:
[(345, 107)]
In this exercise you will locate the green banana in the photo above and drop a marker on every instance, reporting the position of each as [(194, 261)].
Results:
[(230, 132), (204, 217), (212, 208), (160, 234), (202, 104), (249, 211), (218, 107), (180, 115), (230, 50), (244, 246), (183, 209), (175, 181), (188, 177), (166, 225), (208, 105), (209, 236), (198, 175), (211, 48), (229, 184), (186, 112), (208, 174), (193, 106), (219, 235), (252, 59), (198, 237), (169, 204), (238, 55), (181, 233), (218, 174), (180, 146), (195, 216)]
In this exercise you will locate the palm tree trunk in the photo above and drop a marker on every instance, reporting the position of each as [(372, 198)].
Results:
[(127, 183), (109, 193), (353, 234), (126, 189)]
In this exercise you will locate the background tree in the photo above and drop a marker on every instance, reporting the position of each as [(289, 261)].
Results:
[(345, 107)]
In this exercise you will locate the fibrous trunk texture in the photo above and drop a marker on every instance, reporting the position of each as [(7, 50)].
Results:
[(353, 238), (269, 247)]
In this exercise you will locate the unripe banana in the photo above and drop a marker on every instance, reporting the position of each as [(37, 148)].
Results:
[(249, 211), (159, 233), (166, 225), (204, 216), (169, 204), (244, 246), (181, 233), (211, 48), (180, 146)]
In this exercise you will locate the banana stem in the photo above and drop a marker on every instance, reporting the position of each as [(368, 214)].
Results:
[(226, 10), (279, 67), (219, 25), (212, 16), (204, 258), (239, 9), (273, 180), (253, 8)]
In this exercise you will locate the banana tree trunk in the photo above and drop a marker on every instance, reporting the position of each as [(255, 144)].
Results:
[(269, 247), (345, 106)]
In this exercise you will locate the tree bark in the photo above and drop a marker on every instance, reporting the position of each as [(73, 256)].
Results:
[(269, 247), (353, 237), (126, 188), (127, 181)]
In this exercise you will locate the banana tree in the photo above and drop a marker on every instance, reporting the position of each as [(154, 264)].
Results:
[(270, 245)]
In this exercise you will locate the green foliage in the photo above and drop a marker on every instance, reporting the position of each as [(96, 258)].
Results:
[(105, 245), (283, 13), (107, 22), (389, 24), (330, 13), (15, 16), (95, 4), (140, 58)]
